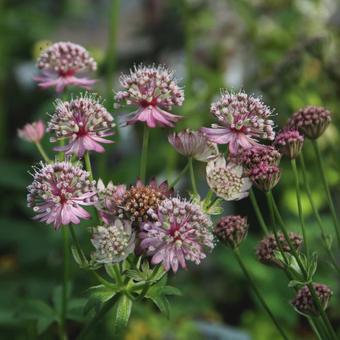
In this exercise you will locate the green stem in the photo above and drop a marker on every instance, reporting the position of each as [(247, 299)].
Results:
[(111, 54), (298, 199), (179, 176), (303, 270), (65, 282), (42, 152), (97, 318), (258, 294), (326, 187), (192, 176), (316, 214), (88, 165), (258, 213), (76, 243), (144, 156)]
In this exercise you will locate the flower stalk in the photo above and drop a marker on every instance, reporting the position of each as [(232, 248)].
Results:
[(192, 176), (258, 212), (144, 156)]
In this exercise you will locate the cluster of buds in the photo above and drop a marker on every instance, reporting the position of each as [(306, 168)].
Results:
[(311, 121), (265, 176), (260, 154), (232, 230), (289, 142), (304, 302), (269, 246), (137, 201)]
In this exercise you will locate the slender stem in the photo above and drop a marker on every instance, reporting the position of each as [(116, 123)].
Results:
[(144, 156), (316, 214), (42, 152), (179, 176), (326, 187), (111, 54), (258, 212), (303, 270), (76, 243), (258, 294), (100, 314), (298, 199), (102, 280), (66, 265), (192, 176), (88, 165)]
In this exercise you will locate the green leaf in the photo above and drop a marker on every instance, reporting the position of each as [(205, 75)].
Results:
[(111, 271), (162, 304), (295, 283), (122, 313), (43, 324), (135, 275), (76, 255), (170, 290), (98, 295)]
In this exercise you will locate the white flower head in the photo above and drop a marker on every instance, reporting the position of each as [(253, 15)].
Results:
[(227, 180)]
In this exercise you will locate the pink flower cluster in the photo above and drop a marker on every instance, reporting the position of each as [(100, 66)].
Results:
[(61, 63)]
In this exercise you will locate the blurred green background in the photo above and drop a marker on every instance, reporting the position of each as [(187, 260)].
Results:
[(285, 50)]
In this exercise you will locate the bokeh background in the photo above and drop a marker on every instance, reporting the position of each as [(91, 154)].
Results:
[(285, 50)]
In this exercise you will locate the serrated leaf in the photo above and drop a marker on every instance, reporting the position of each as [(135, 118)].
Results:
[(145, 267), (34, 309), (110, 271), (122, 313), (97, 296), (295, 283)]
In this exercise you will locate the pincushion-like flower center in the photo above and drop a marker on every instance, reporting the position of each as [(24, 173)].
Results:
[(146, 103), (67, 73)]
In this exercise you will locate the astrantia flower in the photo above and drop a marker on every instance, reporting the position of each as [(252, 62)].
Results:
[(84, 122), (231, 230), (140, 198), (312, 121), (259, 154), (58, 191), (265, 176), (153, 91), (181, 232), (33, 132), (114, 242), (61, 62), (289, 142), (243, 119), (110, 200), (227, 180), (267, 247), (304, 302), (193, 144)]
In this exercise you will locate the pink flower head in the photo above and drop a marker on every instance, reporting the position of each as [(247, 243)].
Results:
[(289, 142), (154, 91), (193, 144), (84, 122), (243, 119), (33, 132), (181, 232), (61, 62), (58, 191)]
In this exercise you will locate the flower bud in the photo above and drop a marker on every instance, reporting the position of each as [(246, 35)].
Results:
[(265, 176), (33, 132), (289, 142)]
